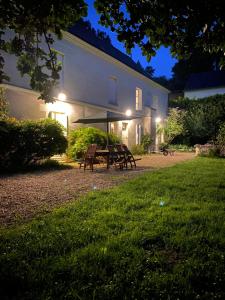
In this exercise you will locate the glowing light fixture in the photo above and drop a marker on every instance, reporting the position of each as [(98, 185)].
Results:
[(128, 113), (62, 96), (158, 120)]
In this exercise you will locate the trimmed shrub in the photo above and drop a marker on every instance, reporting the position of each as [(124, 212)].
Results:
[(24, 143), (146, 142), (80, 138), (138, 150)]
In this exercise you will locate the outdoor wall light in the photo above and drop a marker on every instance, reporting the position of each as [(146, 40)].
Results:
[(128, 113), (62, 96), (158, 120)]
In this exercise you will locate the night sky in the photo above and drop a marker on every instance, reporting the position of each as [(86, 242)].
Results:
[(162, 62)]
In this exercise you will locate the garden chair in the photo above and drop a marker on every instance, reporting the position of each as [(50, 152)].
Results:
[(89, 158), (129, 158)]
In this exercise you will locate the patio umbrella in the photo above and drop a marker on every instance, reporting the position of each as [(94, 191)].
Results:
[(110, 117)]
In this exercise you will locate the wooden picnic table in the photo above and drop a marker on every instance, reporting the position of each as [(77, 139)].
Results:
[(106, 153)]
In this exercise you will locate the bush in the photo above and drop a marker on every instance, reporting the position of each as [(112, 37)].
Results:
[(24, 143), (80, 138), (146, 141), (138, 150), (214, 152), (181, 147), (221, 139), (3, 104)]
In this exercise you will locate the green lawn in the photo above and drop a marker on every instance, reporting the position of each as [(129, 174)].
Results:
[(159, 236)]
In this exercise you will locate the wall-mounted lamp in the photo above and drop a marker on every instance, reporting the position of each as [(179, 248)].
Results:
[(128, 113), (158, 120), (61, 96)]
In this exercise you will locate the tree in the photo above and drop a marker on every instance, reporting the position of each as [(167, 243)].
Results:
[(197, 62), (150, 70), (33, 23), (175, 124), (162, 80), (203, 118), (181, 25)]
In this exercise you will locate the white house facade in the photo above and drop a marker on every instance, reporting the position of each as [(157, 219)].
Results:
[(202, 93), (95, 83)]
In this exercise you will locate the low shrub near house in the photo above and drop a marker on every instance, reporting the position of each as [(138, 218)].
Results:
[(146, 141), (80, 138), (24, 143), (138, 150)]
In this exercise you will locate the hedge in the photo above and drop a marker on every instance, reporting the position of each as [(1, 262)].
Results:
[(24, 143)]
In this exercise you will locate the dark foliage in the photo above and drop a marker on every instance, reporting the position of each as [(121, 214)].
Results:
[(202, 120), (184, 26), (36, 23), (24, 143)]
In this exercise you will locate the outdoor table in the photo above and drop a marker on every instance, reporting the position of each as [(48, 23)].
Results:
[(106, 153)]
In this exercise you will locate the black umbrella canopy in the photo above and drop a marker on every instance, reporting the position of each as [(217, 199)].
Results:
[(110, 117)]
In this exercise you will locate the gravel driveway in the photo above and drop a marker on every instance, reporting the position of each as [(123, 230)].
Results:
[(23, 196)]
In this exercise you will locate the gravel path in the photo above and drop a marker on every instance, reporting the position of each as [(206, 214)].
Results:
[(23, 196)]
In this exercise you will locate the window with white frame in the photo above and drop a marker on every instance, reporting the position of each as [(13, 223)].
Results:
[(112, 127), (112, 90), (138, 134), (138, 99)]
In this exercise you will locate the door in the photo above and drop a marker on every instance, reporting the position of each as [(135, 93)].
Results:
[(125, 133)]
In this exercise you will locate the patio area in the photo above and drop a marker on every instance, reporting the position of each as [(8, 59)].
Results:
[(24, 196)]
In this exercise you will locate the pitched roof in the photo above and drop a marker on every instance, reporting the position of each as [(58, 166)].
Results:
[(205, 80), (87, 35)]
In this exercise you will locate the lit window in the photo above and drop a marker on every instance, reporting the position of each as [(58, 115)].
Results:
[(124, 126), (112, 127), (138, 99), (138, 134), (113, 90)]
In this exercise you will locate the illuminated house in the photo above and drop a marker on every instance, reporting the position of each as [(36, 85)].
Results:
[(97, 78)]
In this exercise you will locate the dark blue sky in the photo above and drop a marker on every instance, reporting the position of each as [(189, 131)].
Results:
[(162, 62)]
